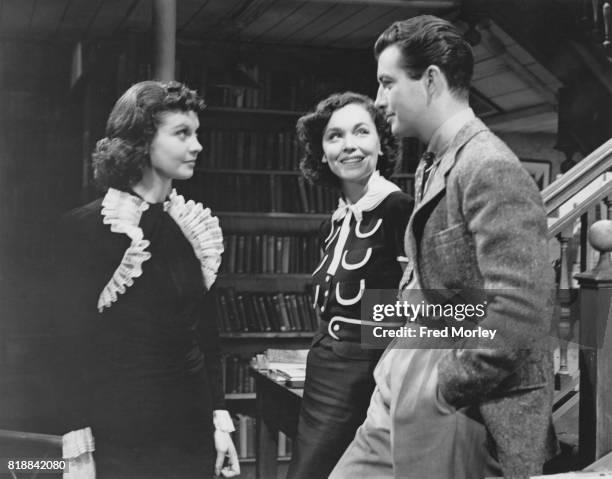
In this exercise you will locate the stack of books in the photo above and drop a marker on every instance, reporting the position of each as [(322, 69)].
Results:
[(288, 366)]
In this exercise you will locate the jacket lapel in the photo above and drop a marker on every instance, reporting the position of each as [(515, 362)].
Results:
[(437, 182)]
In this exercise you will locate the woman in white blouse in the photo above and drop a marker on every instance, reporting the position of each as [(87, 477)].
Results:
[(349, 147)]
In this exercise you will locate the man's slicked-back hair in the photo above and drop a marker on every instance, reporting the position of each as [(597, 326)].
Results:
[(428, 40)]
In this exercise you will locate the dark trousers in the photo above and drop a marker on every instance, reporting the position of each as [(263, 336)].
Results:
[(184, 451), (337, 391)]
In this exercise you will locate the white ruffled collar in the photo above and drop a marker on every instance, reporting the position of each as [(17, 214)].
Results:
[(122, 211)]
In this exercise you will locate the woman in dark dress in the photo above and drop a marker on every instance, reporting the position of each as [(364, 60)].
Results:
[(348, 146), (136, 266)]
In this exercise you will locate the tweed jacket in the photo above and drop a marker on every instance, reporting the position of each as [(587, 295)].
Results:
[(481, 225)]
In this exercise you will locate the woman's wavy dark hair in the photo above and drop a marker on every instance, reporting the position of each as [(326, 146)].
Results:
[(120, 158), (311, 126)]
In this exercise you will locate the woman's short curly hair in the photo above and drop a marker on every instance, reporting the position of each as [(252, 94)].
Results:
[(120, 158), (310, 129)]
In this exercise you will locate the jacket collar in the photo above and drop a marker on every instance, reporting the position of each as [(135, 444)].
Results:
[(438, 178), (447, 131), (437, 182)]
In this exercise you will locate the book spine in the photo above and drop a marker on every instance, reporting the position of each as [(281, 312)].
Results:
[(283, 313)]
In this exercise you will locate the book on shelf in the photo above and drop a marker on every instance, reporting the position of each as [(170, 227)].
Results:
[(252, 150), (280, 88), (235, 374), (240, 254), (281, 305), (265, 311), (245, 437), (258, 192), (223, 315), (294, 313), (234, 320), (248, 321), (239, 311), (268, 253), (278, 254)]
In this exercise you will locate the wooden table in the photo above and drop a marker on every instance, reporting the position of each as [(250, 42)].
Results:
[(278, 407)]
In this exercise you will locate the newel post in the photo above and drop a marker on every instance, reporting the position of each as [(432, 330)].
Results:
[(595, 429)]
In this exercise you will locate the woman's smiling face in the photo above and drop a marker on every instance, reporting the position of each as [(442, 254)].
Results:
[(351, 144)]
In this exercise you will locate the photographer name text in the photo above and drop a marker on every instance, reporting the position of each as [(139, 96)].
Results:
[(425, 332)]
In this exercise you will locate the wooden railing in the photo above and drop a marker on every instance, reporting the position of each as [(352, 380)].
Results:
[(579, 207), (19, 445), (49, 440), (578, 178), (582, 194)]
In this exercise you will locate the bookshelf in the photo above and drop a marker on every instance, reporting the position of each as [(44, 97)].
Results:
[(244, 440), (239, 396), (267, 335), (270, 219)]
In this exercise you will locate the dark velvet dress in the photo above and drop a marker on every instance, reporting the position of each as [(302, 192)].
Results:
[(144, 373), (339, 381)]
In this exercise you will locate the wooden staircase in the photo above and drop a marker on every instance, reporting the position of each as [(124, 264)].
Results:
[(579, 209)]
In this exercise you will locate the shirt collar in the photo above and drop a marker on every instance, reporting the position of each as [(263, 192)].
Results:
[(445, 133), (377, 190)]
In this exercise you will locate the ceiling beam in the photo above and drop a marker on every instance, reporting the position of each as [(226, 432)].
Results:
[(491, 41), (61, 20), (415, 4), (93, 19), (522, 113), (126, 16), (181, 28)]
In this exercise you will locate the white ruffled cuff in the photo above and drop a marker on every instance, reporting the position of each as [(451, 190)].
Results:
[(222, 421), (77, 442), (77, 448), (82, 467)]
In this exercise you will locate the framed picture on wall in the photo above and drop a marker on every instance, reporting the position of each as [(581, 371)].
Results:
[(539, 170)]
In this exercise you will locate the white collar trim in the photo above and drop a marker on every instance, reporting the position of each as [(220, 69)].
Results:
[(378, 188), (122, 211)]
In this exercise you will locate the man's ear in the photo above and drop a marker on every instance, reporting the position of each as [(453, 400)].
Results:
[(435, 81)]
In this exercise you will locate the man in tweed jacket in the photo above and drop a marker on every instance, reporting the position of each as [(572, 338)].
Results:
[(482, 408)]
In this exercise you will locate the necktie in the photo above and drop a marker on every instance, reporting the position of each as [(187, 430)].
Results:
[(427, 158)]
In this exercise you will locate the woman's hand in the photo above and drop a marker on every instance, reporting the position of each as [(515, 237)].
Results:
[(225, 448)]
